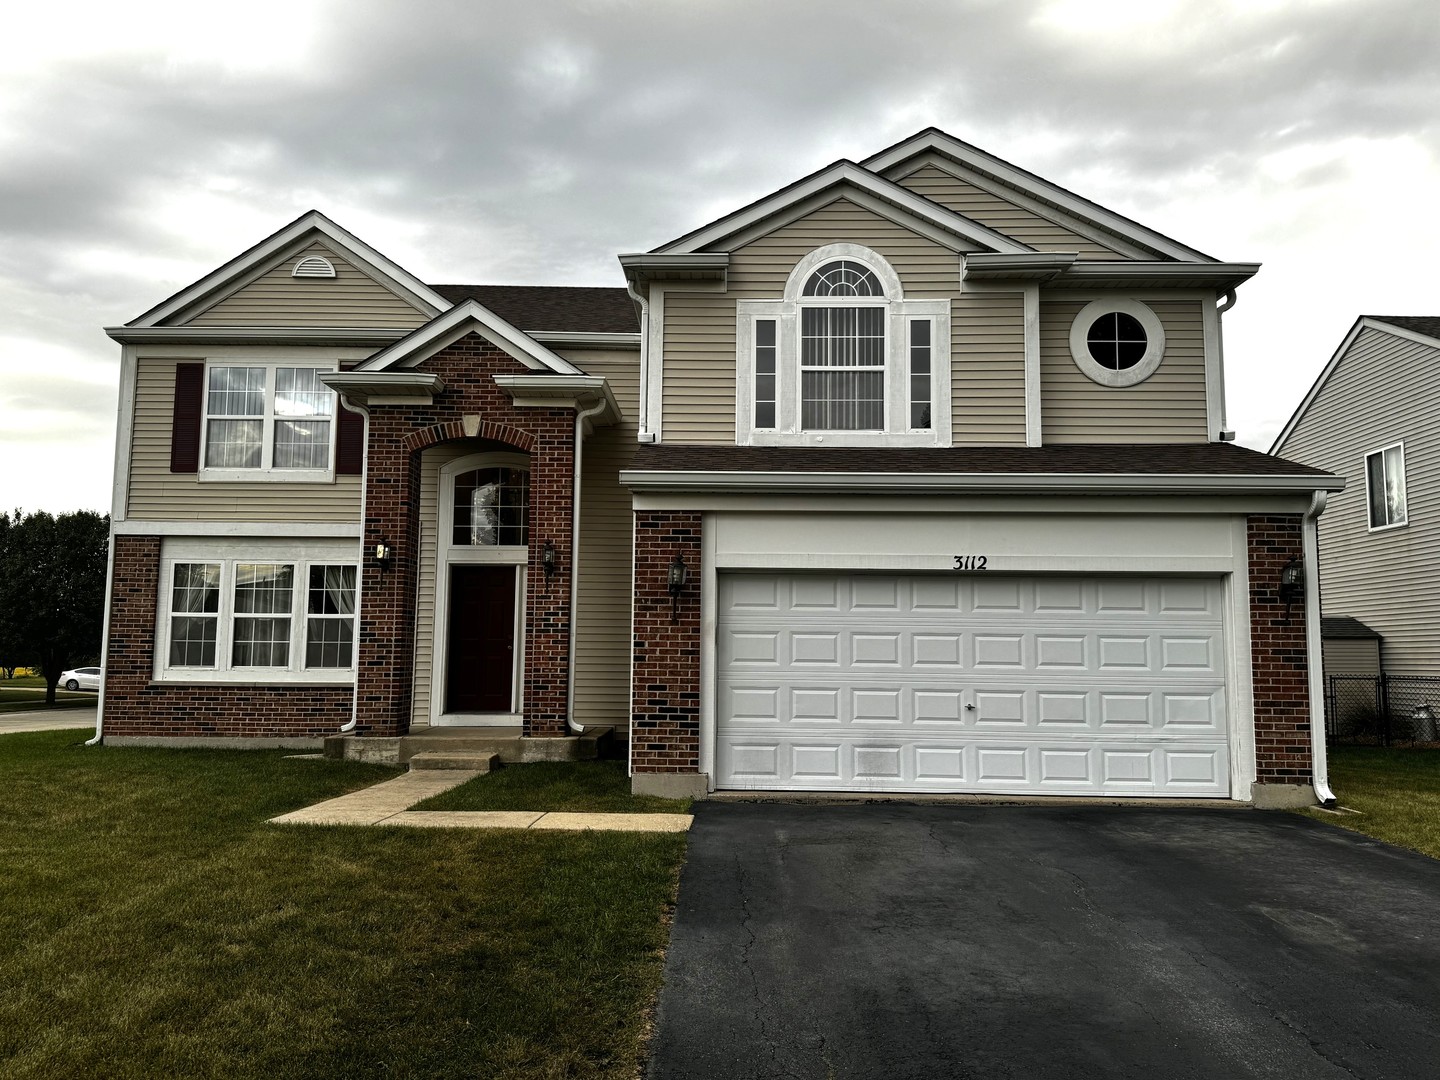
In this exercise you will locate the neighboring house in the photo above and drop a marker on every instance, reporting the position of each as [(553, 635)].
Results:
[(1371, 417), (911, 476)]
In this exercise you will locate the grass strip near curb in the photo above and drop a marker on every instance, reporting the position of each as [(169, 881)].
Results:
[(1396, 791), (26, 701), (153, 924), (596, 787)]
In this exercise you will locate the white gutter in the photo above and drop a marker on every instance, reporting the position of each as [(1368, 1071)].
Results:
[(682, 480), (581, 417), (105, 643), (360, 568), (1319, 764), (1220, 310)]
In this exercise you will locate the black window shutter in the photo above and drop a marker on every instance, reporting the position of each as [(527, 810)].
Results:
[(185, 422), (349, 443)]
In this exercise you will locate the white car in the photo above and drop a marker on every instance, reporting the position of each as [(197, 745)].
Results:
[(81, 678)]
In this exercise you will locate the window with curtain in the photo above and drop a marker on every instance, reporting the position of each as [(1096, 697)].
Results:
[(330, 617), (194, 614), (1385, 484), (268, 418)]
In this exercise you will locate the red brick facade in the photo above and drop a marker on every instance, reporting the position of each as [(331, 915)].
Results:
[(665, 710), (397, 437), (134, 705), (1277, 655)]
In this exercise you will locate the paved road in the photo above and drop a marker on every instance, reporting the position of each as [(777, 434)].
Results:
[(896, 941), (47, 719)]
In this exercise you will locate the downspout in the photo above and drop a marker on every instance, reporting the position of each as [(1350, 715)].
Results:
[(105, 643), (360, 568), (644, 357), (1220, 310), (581, 416), (1310, 537)]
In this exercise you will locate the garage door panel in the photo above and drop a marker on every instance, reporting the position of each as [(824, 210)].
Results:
[(931, 683)]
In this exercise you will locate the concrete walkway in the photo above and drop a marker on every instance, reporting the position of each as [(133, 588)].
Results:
[(389, 803), (46, 720)]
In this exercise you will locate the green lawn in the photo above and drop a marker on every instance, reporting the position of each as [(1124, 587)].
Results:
[(579, 786), (1396, 791), (25, 700), (152, 924)]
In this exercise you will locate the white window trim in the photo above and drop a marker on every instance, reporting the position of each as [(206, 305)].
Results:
[(786, 313), (1365, 464), (449, 554), (1144, 315), (228, 555), (265, 473)]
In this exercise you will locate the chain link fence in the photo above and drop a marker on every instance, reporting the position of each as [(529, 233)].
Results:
[(1382, 710)]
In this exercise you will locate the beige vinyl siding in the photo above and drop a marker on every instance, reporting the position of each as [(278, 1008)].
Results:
[(699, 367), (1351, 656), (351, 298), (1383, 391), (602, 616), (1169, 406), (987, 369), (431, 462), (157, 494), (1000, 214)]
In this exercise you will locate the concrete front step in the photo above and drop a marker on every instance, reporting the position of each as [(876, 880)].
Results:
[(508, 744), (454, 759)]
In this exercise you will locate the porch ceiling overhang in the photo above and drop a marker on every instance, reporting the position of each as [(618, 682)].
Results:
[(384, 387), (589, 395)]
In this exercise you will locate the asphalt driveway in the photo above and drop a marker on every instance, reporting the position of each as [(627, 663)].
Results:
[(895, 941)]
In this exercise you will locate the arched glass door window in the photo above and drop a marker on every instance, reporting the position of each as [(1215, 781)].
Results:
[(492, 508)]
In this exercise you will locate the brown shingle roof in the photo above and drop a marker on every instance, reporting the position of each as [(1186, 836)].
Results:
[(558, 308), (1154, 459)]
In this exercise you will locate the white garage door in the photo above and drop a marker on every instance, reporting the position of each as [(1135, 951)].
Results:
[(1011, 685)]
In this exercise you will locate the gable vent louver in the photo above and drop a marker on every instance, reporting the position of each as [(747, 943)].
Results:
[(313, 266)]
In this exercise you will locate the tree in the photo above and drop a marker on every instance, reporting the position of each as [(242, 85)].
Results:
[(52, 590)]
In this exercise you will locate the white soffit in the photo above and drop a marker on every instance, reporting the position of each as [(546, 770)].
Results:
[(466, 317), (283, 245), (1012, 176), (843, 173)]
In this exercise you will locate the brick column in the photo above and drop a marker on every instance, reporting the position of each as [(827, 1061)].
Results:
[(665, 711), (1278, 655), (547, 602)]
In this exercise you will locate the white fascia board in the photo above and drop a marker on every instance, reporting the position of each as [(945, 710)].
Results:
[(264, 335), (578, 391), (1221, 276), (1027, 266), (651, 479), (384, 387), (1029, 183), (572, 339), (248, 262), (344, 530), (1317, 385), (467, 316), (844, 172)]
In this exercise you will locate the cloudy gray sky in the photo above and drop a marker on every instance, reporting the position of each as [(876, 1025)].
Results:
[(142, 144)]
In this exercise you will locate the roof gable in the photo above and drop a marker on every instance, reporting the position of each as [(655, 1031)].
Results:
[(272, 254), (861, 186), (995, 174), (467, 317)]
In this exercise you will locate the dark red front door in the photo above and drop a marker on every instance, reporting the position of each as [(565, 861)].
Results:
[(480, 667)]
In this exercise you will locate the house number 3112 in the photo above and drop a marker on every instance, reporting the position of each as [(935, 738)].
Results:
[(970, 562)]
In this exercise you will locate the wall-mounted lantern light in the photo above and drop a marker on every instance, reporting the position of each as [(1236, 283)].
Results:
[(675, 583), (383, 554), (1292, 584), (547, 561)]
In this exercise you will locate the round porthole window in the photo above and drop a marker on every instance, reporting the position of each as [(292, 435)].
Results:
[(1117, 342)]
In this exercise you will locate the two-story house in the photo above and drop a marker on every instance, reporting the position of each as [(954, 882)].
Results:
[(912, 476), (1370, 417)]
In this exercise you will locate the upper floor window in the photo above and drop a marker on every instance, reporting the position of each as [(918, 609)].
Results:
[(1117, 341), (268, 421), (1385, 486), (843, 358)]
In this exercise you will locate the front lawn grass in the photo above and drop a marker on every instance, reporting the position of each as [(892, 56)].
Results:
[(153, 924), (1396, 791), (575, 786)]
